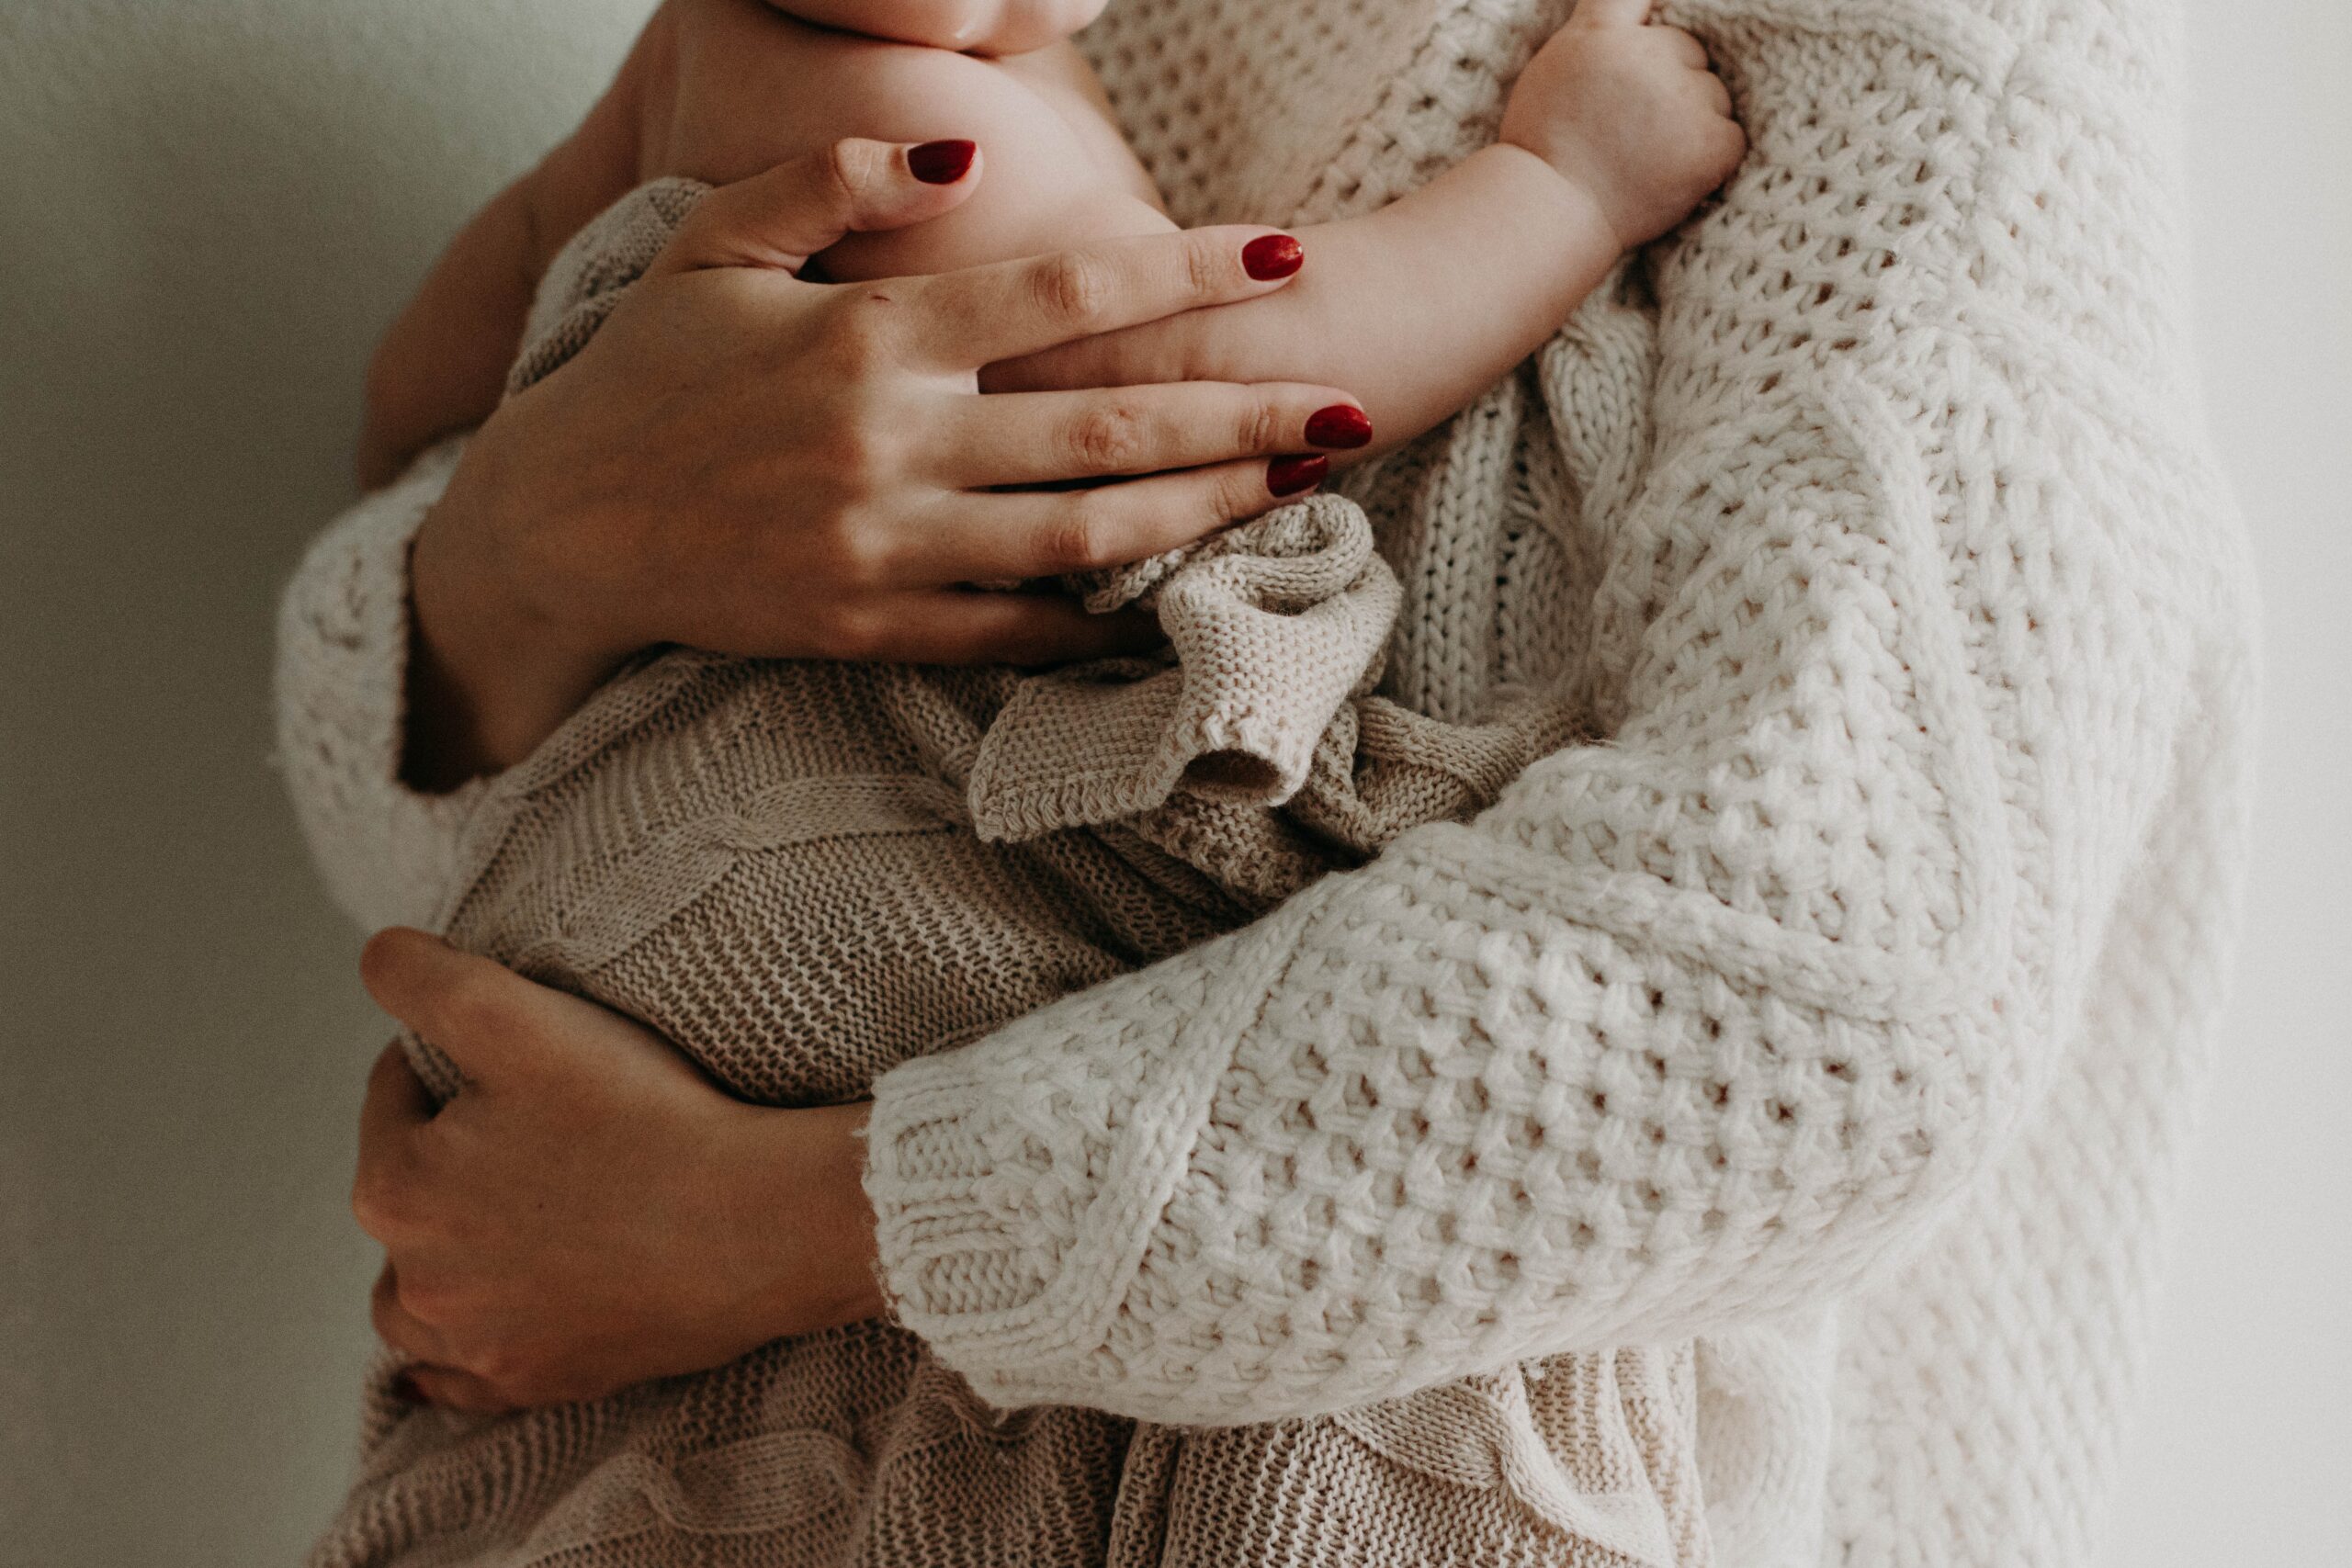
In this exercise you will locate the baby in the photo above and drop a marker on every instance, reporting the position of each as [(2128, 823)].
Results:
[(806, 872)]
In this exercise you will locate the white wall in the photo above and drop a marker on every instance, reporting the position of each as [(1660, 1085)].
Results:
[(207, 209), (2243, 1455)]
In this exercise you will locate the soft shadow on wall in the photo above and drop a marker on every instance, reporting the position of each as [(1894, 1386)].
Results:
[(210, 206)]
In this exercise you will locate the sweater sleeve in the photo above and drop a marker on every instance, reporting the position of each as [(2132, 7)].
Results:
[(386, 851), (1712, 1020)]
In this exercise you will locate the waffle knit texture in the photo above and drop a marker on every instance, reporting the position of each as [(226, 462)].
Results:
[(1842, 1009)]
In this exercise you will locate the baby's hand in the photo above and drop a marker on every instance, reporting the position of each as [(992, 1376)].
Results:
[(1629, 113), (969, 26)]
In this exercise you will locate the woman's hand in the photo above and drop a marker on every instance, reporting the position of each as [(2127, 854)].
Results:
[(749, 463), (589, 1211), (1628, 112)]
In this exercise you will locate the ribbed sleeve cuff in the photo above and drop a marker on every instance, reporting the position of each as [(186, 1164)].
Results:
[(385, 851), (1018, 1182)]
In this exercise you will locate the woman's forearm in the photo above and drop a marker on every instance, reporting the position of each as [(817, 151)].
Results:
[(1418, 308)]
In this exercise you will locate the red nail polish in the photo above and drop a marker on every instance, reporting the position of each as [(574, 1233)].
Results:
[(1288, 476), (1269, 256), (940, 162), (1342, 427)]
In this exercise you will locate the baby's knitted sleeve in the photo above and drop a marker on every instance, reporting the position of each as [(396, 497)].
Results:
[(385, 852), (1903, 646)]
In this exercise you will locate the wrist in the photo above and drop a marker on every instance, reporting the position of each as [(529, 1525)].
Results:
[(809, 1225), (1552, 185), (490, 674)]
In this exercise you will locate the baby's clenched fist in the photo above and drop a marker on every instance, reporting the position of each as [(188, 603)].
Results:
[(1627, 111)]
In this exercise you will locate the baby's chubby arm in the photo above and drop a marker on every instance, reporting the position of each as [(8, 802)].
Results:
[(969, 26), (1613, 133)]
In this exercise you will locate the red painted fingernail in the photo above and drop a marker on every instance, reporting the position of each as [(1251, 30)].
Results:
[(1342, 427), (940, 162), (1288, 476), (1269, 256)]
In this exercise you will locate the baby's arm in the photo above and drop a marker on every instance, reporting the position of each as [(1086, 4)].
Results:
[(1614, 132)]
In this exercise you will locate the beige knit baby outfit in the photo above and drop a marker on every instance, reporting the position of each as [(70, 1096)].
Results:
[(1844, 1005)]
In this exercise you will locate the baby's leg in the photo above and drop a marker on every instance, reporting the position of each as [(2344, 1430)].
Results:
[(1046, 183)]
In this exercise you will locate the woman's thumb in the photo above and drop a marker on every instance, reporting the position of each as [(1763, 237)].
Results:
[(470, 1009), (780, 218)]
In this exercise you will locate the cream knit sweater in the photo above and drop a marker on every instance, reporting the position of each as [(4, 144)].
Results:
[(1842, 1011)]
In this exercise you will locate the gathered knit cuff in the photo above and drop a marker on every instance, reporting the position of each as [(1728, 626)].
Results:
[(384, 849), (1017, 1182)]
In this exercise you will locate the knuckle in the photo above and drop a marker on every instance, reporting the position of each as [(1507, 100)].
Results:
[(858, 457), (851, 631), (379, 1204), (505, 1366), (845, 169), (430, 1301), (1265, 424), (1208, 264), (852, 552), (1075, 288), (476, 1005), (1112, 438), (861, 335), (1084, 537)]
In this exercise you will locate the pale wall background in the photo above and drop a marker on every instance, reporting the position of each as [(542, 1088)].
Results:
[(207, 209)]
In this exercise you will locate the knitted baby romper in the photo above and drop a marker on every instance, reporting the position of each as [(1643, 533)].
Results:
[(806, 873)]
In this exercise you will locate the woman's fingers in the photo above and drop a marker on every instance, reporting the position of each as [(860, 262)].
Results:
[(961, 321), (396, 1326), (780, 218), (966, 626), (1041, 534), (397, 1104), (486, 1019), (1046, 437), (454, 1390)]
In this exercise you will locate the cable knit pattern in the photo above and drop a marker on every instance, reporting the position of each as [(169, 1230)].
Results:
[(1843, 1008)]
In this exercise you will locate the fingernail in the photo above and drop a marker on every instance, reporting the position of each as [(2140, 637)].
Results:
[(1342, 427), (1288, 476), (1269, 256), (940, 162)]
